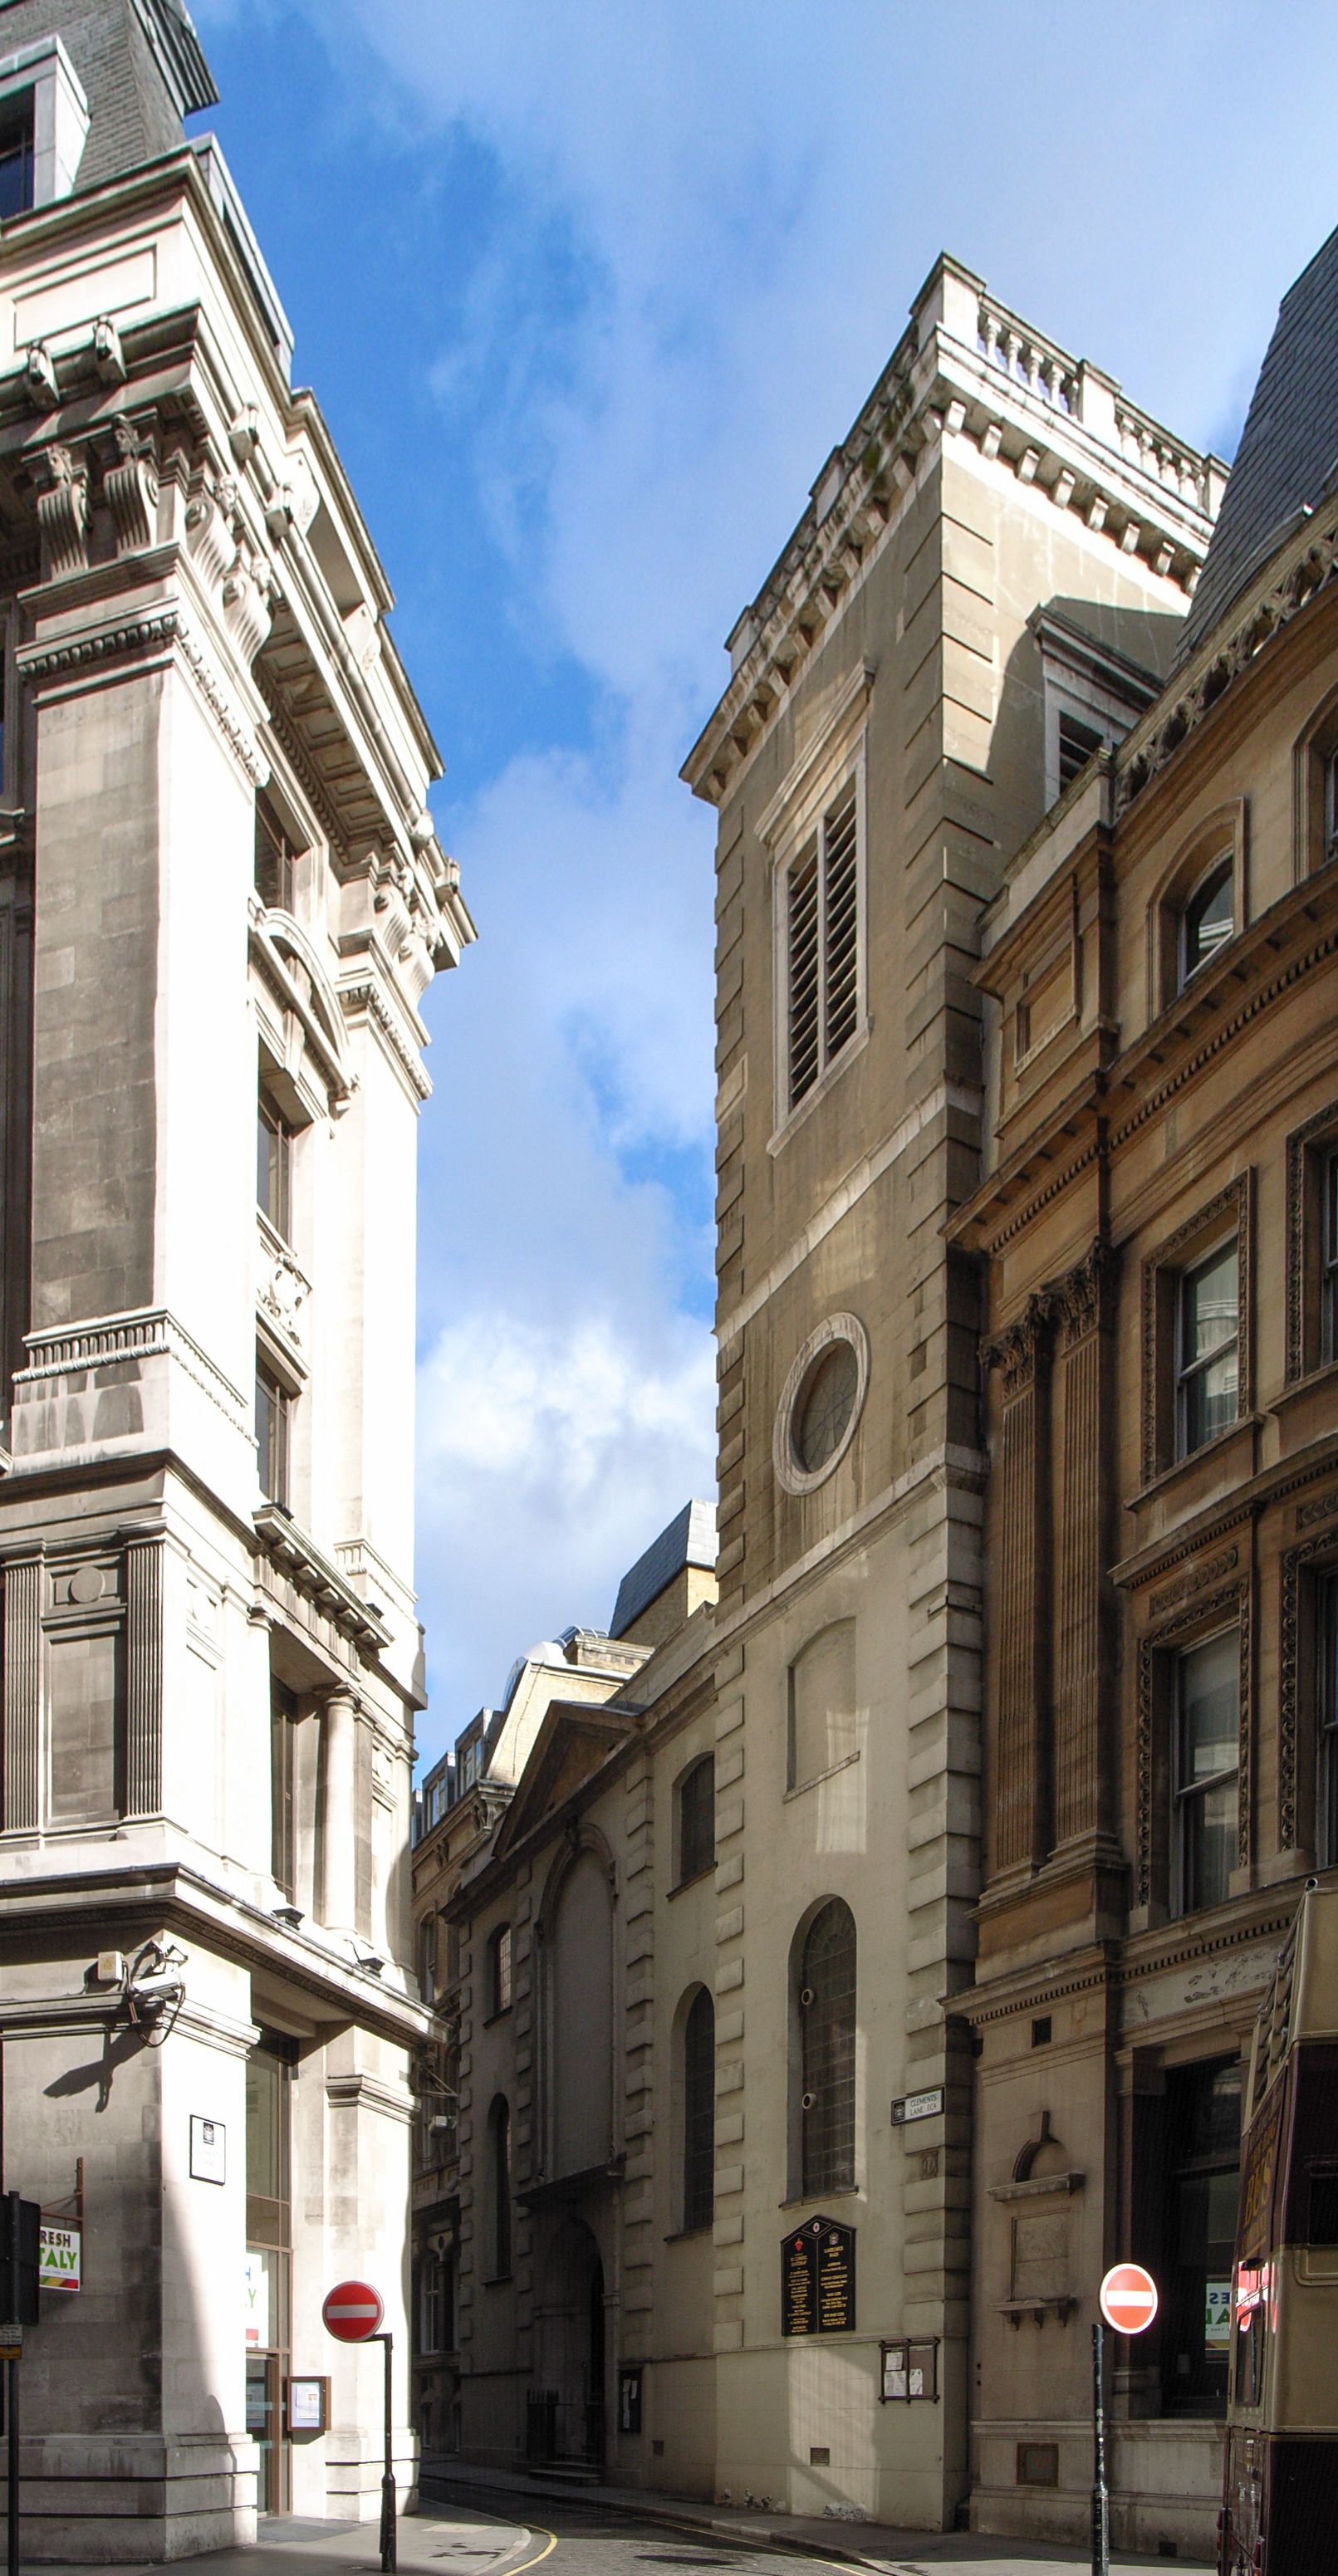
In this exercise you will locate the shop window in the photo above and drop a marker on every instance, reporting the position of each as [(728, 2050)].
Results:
[(1202, 2166), (696, 1820), (699, 2112), (1207, 1679), (827, 2052)]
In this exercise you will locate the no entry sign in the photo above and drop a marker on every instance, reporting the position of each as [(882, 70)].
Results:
[(352, 2311), (1128, 2298)]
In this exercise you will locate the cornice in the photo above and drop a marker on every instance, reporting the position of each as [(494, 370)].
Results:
[(1246, 1501), (1020, 402), (1297, 575), (367, 997)]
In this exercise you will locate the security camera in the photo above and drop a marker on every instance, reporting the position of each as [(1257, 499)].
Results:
[(160, 1986)]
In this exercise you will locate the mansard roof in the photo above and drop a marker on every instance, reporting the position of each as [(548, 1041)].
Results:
[(141, 67), (690, 1539), (1287, 461)]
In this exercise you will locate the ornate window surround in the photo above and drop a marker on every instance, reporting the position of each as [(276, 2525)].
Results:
[(1315, 748), (1162, 1271), (1201, 1616), (1304, 1221), (1300, 1564), (1225, 829)]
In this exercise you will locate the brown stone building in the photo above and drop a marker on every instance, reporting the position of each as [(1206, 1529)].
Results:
[(1158, 1228)]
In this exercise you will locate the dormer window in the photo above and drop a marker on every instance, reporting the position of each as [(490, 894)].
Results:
[(16, 154), (1209, 917), (1093, 694)]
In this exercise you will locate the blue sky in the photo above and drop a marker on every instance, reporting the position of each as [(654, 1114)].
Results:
[(588, 289)]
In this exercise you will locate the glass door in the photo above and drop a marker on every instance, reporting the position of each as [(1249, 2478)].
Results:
[(264, 2424)]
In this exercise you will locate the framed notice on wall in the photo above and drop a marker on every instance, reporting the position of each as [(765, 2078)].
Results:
[(818, 2279), (309, 2405), (208, 2150)]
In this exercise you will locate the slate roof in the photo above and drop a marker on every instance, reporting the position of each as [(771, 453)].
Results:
[(690, 1539), (1287, 460), (141, 67)]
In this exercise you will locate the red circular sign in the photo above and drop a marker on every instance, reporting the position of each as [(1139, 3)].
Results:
[(353, 2310), (1128, 2298)]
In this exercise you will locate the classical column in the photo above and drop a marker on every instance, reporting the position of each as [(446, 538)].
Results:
[(1021, 1748), (1084, 1303), (23, 1688), (339, 1809), (144, 1677)]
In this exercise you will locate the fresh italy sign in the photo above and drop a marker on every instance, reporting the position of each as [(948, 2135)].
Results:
[(60, 2256)]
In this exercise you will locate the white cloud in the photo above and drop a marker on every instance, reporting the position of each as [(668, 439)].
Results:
[(711, 222), (546, 1451)]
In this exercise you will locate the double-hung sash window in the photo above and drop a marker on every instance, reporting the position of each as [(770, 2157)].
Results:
[(1207, 1349), (1206, 1756), (1328, 1267), (822, 946), (1326, 1728)]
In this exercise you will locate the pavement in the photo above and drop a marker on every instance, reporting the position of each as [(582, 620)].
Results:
[(504, 2525)]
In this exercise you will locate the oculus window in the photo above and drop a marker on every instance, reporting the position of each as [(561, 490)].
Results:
[(820, 1405)]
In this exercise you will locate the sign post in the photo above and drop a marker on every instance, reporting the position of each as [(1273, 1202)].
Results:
[(352, 2313), (1128, 2302)]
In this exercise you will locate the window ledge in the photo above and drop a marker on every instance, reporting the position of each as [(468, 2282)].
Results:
[(814, 2199), (498, 2280), (1167, 1476), (801, 1787), (795, 1117), (500, 2015), (683, 1884), (1313, 1383), (690, 2235)]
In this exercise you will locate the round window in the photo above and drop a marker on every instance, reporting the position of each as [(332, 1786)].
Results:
[(825, 1407), (821, 1404)]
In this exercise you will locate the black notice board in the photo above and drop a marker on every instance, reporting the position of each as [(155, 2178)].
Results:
[(818, 2279)]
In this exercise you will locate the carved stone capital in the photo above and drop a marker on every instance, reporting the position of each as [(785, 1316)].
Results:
[(131, 486), (1016, 1349), (248, 599), (61, 474), (1083, 1294)]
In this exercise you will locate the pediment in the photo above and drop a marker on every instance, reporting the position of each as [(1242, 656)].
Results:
[(574, 1739)]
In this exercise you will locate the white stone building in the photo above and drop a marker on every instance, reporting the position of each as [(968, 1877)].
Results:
[(221, 899)]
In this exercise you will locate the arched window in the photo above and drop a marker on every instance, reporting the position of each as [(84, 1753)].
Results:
[(499, 2190), (581, 1973), (827, 2051), (823, 1716), (699, 2112), (696, 1819)]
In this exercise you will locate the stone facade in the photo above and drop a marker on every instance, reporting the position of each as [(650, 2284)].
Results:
[(991, 579), (1156, 1232), (221, 899)]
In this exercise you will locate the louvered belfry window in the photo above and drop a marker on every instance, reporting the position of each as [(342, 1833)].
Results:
[(823, 945)]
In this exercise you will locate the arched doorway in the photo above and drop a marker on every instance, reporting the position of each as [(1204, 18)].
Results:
[(567, 2405)]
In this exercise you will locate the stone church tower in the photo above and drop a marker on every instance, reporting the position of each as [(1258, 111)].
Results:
[(987, 585)]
